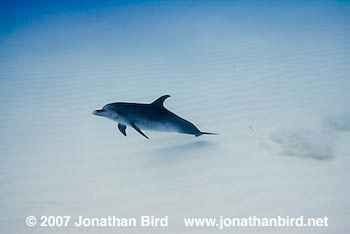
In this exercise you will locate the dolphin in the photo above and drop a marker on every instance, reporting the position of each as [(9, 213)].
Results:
[(153, 117)]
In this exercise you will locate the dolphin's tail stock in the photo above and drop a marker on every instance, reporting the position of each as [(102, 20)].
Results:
[(206, 133)]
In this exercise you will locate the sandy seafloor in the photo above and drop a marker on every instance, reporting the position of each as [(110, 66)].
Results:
[(272, 79)]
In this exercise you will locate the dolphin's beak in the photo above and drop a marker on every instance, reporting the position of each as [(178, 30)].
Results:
[(98, 112)]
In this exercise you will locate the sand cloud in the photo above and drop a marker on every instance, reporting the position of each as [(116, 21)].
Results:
[(339, 122), (304, 143)]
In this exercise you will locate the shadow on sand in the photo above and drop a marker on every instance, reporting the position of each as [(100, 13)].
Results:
[(182, 151)]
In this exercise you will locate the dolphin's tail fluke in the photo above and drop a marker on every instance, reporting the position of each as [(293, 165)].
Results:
[(206, 133)]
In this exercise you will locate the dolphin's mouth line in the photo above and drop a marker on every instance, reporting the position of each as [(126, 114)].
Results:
[(97, 112)]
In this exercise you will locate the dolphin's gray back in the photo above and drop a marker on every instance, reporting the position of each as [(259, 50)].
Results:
[(158, 118)]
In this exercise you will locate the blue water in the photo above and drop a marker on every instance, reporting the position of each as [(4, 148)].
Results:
[(272, 78)]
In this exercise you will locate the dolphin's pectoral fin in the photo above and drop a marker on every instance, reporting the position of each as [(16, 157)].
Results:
[(122, 128), (137, 129), (159, 102)]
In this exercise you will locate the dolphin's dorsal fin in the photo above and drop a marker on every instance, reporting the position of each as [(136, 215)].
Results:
[(159, 102)]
